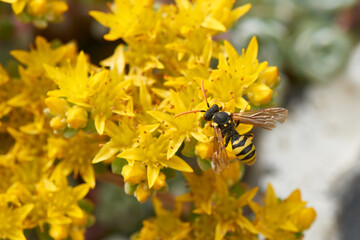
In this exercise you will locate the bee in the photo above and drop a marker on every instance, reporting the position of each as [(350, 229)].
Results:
[(224, 125)]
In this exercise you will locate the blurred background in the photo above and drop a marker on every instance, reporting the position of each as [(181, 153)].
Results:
[(316, 45)]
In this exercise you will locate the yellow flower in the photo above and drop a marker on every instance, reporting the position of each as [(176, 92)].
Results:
[(229, 214), (11, 219), (204, 190), (152, 152), (285, 219), (197, 21), (26, 148), (127, 19), (165, 225), (211, 15), (123, 135), (42, 54), (103, 95), (63, 203), (234, 75), (76, 157), (183, 127), (202, 224)]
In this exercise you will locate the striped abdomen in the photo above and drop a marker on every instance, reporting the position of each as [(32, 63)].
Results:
[(244, 149)]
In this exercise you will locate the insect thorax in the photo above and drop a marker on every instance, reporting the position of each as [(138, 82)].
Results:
[(224, 121)]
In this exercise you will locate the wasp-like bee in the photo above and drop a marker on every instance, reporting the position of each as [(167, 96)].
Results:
[(225, 123)]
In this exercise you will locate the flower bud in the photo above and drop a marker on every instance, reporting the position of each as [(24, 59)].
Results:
[(134, 174), (58, 7), (142, 192), (57, 106), (270, 76), (77, 233), (59, 231), (259, 94), (77, 117), (204, 150), (160, 181), (58, 123), (37, 7), (305, 218)]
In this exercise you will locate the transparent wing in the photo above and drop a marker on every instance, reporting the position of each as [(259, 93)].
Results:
[(219, 160), (265, 118)]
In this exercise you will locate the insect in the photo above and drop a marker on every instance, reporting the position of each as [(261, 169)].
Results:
[(225, 123)]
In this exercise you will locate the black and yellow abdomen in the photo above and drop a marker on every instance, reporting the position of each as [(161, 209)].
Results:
[(244, 149)]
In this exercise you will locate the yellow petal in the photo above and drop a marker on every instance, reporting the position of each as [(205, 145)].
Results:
[(23, 211), (178, 164), (243, 222), (257, 209), (88, 174), (174, 144), (183, 4), (220, 230), (161, 116), (288, 226), (18, 6), (212, 23), (133, 154), (252, 50), (232, 53), (15, 234), (100, 123), (200, 136), (22, 56), (270, 197), (107, 151), (75, 211), (249, 195), (80, 191), (240, 11), (295, 196), (152, 174)]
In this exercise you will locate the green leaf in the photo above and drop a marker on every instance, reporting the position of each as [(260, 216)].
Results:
[(117, 165), (100, 168), (238, 189), (189, 148), (169, 173), (86, 205), (43, 235), (90, 127)]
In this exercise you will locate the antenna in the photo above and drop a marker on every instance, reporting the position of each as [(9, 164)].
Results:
[(194, 111), (203, 90)]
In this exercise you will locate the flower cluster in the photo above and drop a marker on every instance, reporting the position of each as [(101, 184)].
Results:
[(60, 114), (40, 12), (220, 212)]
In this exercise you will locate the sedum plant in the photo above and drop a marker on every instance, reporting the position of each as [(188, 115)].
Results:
[(61, 117)]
